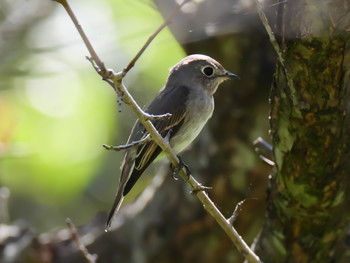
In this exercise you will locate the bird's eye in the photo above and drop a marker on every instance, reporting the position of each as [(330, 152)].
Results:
[(208, 71)]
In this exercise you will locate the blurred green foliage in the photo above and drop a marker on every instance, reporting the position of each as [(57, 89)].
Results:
[(57, 113)]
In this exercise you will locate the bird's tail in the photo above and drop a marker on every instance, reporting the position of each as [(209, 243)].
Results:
[(116, 205), (126, 167)]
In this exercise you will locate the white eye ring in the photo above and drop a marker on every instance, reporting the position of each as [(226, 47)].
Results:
[(208, 71)]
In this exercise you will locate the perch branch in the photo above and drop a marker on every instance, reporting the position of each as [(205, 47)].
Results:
[(144, 118), (90, 258), (129, 145)]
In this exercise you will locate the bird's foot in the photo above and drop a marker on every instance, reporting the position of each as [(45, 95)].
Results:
[(201, 188), (176, 170)]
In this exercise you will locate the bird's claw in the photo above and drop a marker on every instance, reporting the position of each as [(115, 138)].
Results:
[(176, 170)]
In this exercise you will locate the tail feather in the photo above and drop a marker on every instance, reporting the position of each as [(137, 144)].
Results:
[(115, 208), (127, 167)]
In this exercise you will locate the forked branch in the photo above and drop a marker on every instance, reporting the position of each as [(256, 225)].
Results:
[(129, 145), (115, 79)]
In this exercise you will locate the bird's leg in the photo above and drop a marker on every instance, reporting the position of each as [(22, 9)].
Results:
[(172, 167), (176, 170)]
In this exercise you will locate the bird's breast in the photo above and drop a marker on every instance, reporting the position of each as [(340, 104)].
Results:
[(199, 109)]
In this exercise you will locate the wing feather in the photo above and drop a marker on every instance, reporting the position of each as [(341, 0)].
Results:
[(171, 101)]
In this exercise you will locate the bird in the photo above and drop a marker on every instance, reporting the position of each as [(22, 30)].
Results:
[(188, 97)]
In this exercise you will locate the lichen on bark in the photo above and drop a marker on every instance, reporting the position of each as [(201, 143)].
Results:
[(309, 197)]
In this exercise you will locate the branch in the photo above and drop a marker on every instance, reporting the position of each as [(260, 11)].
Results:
[(94, 58), (265, 151), (129, 145), (238, 208), (74, 233), (278, 50), (144, 118), (153, 36)]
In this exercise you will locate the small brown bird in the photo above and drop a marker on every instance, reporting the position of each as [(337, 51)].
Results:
[(188, 97)]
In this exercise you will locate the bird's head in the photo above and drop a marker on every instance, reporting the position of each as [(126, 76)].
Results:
[(200, 70)]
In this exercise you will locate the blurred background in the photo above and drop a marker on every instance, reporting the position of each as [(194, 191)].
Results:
[(55, 114)]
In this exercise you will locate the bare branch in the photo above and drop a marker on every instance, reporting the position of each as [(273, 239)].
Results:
[(100, 72), (278, 50), (267, 160), (238, 208), (201, 188), (151, 117), (90, 258), (129, 145), (144, 118), (265, 151), (94, 58), (153, 36), (87, 43)]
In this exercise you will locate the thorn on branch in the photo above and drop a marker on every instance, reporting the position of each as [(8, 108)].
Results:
[(90, 258), (238, 209), (101, 70), (264, 150), (129, 145), (93, 63), (200, 188)]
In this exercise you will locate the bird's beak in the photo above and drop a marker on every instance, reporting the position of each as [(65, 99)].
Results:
[(230, 75)]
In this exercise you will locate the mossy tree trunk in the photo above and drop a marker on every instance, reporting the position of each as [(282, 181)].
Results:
[(309, 198)]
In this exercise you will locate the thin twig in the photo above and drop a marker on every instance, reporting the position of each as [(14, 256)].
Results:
[(94, 58), (264, 150), (266, 160), (278, 50), (102, 71), (153, 36), (129, 145), (87, 43), (151, 117), (238, 208), (90, 258), (144, 118)]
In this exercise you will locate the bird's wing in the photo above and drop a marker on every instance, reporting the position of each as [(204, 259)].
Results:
[(170, 100)]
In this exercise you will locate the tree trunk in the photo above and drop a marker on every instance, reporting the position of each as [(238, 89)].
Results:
[(308, 204)]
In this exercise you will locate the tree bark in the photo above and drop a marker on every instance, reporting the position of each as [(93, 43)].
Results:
[(308, 204)]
